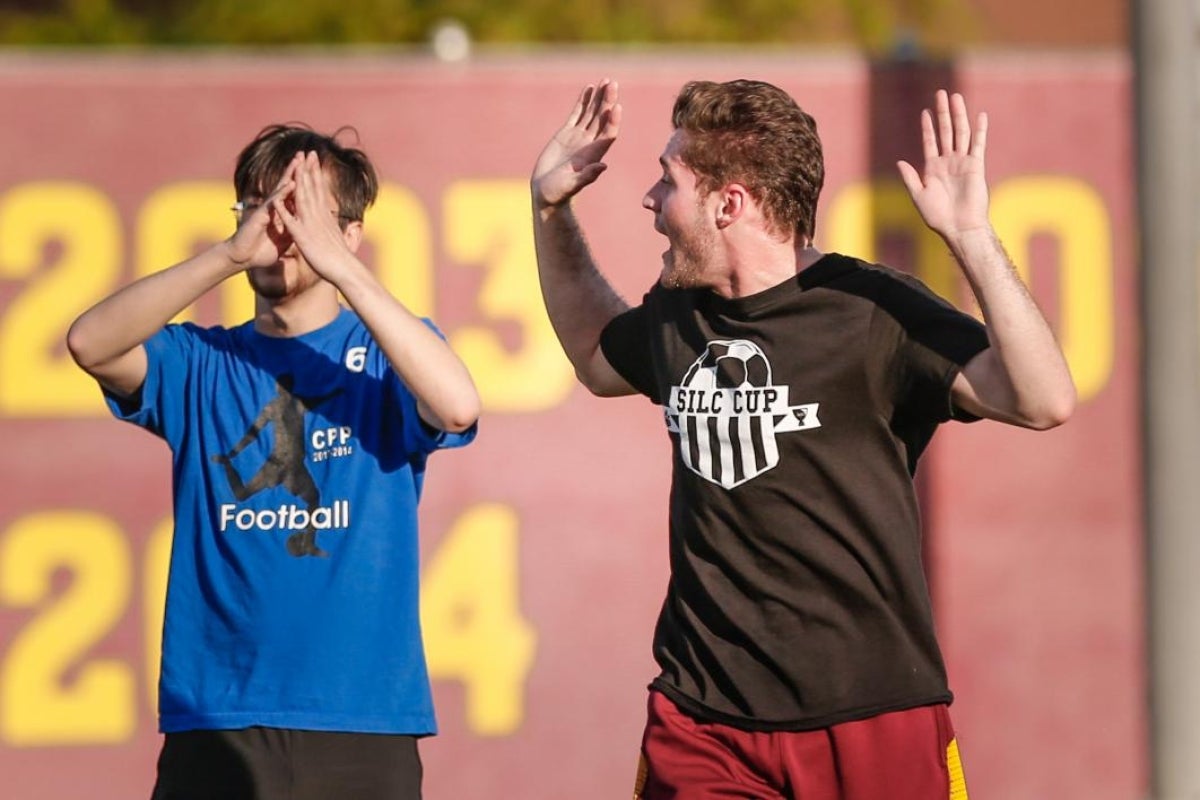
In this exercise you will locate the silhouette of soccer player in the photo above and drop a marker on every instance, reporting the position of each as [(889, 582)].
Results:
[(285, 465)]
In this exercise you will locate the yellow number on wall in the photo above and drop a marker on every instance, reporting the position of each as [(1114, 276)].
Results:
[(37, 377), (863, 211), (472, 623), (397, 227), (180, 220), (488, 223), (1074, 214), (50, 693)]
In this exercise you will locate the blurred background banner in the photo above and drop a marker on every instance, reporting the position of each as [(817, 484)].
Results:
[(544, 543)]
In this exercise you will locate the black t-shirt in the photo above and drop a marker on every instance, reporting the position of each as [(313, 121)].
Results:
[(797, 597)]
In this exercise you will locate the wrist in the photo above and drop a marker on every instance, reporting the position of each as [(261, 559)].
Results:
[(231, 263), (542, 205), (962, 239), (544, 210), (227, 260), (346, 273)]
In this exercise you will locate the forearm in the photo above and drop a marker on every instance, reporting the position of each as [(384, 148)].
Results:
[(118, 325), (579, 300), (1026, 379), (433, 372)]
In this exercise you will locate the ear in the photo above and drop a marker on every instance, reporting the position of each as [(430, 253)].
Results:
[(734, 200), (353, 235)]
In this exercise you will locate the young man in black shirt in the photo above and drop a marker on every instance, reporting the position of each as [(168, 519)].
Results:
[(796, 642)]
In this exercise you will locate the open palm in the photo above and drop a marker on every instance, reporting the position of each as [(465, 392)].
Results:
[(951, 194), (573, 158), (310, 219), (261, 239)]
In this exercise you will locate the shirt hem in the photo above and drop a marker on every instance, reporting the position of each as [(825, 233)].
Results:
[(700, 711), (409, 725)]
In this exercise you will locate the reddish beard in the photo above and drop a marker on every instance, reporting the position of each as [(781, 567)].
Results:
[(685, 262)]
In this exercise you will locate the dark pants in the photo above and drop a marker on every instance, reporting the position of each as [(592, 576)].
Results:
[(281, 764)]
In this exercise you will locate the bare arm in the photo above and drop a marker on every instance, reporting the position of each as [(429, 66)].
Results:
[(446, 395), (1022, 378), (579, 300), (108, 340)]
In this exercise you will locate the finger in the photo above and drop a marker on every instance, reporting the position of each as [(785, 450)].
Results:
[(612, 110), (283, 189), (287, 180), (310, 164), (612, 123), (590, 173), (289, 173), (600, 103), (581, 104), (320, 181), (929, 145), (283, 214), (979, 143), (322, 206), (308, 185), (962, 124), (285, 185), (944, 125), (911, 178), (304, 178)]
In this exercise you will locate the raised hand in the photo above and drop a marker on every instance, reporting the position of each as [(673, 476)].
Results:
[(261, 239), (573, 158), (310, 216), (951, 193)]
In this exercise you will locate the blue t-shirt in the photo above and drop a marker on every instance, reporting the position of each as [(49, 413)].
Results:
[(297, 467)]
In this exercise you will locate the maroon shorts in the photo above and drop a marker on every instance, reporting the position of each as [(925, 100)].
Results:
[(903, 755)]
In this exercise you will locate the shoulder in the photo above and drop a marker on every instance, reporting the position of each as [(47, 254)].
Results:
[(846, 273), (898, 294), (191, 335)]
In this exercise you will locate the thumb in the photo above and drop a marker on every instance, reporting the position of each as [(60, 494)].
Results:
[(591, 172), (911, 178)]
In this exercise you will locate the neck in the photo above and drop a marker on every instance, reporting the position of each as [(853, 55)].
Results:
[(296, 315), (764, 267)]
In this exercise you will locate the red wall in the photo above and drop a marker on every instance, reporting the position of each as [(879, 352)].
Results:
[(544, 542)]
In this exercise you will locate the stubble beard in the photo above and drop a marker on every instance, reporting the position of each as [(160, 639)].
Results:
[(684, 264), (277, 287), (267, 289)]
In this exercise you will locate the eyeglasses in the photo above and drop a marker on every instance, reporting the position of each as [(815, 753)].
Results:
[(242, 209)]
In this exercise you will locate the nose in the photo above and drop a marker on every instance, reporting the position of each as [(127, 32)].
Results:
[(649, 201)]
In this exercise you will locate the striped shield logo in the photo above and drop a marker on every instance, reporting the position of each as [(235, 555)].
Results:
[(727, 412)]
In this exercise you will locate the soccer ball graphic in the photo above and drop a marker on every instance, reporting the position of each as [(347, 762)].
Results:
[(729, 365), (727, 413)]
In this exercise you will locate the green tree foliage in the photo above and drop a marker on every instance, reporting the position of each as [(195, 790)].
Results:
[(876, 25)]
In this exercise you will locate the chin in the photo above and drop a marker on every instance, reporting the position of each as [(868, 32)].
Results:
[(668, 277), (683, 279), (672, 280), (269, 287)]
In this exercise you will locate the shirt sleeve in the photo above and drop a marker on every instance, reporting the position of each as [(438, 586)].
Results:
[(937, 341), (419, 436), (626, 344), (155, 405)]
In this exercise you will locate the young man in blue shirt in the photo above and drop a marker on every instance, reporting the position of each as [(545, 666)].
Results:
[(292, 663)]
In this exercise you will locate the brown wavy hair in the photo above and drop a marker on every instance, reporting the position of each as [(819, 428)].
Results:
[(754, 133), (262, 163)]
